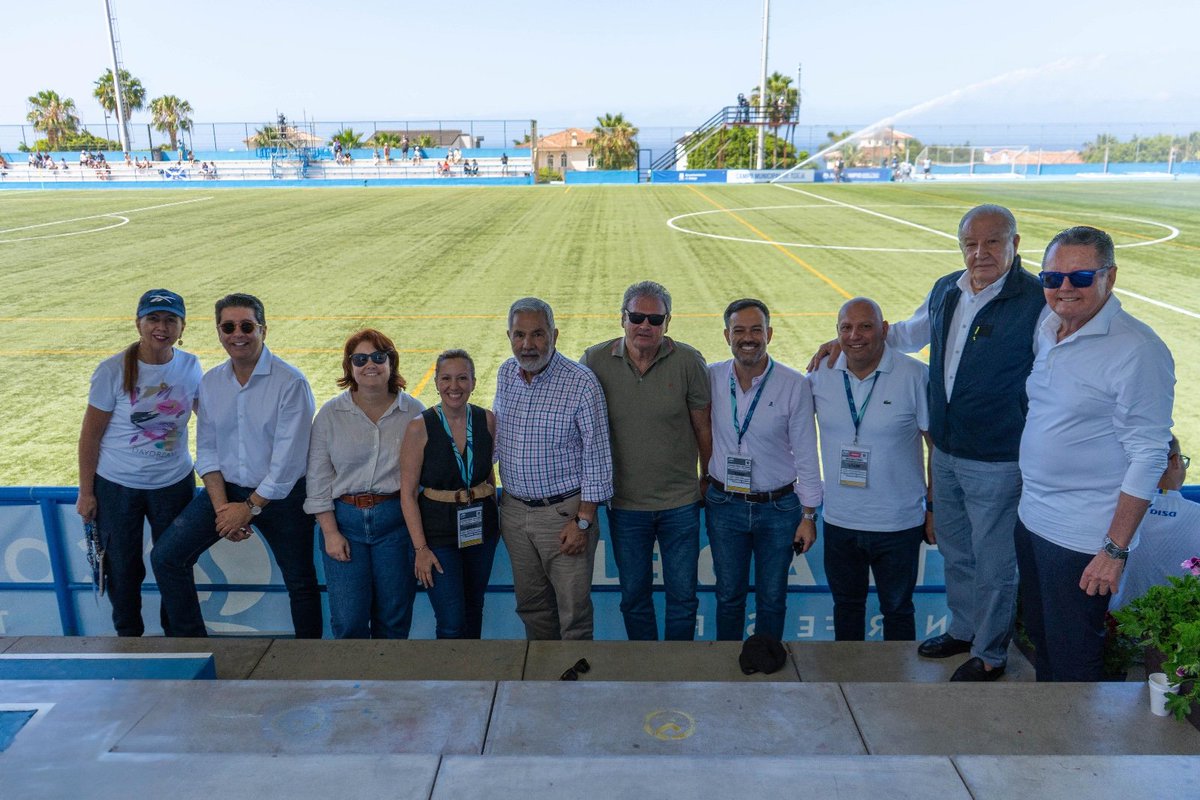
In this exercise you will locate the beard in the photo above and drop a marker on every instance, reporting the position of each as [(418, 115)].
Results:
[(536, 363)]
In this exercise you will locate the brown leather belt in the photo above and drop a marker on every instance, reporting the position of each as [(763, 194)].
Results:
[(366, 499), (754, 497), (461, 497)]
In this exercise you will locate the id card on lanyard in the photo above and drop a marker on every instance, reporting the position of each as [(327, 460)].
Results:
[(855, 462), (738, 468), (469, 518)]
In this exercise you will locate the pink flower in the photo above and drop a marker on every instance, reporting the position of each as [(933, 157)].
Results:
[(1193, 565), (1181, 672)]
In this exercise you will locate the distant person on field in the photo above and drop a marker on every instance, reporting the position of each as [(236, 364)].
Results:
[(134, 464), (927, 167)]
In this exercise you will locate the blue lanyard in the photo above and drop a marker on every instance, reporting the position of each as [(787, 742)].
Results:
[(464, 469), (740, 430), (855, 416)]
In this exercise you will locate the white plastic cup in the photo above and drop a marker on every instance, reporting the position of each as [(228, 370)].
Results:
[(1159, 689)]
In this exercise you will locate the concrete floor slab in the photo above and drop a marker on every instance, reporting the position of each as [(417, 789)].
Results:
[(1093, 777), (1014, 719), (235, 657), (638, 777), (207, 776), (393, 660), (591, 718), (646, 661), (320, 717), (7, 642), (880, 662)]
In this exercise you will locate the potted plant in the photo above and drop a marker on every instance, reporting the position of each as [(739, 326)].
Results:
[(1167, 619)]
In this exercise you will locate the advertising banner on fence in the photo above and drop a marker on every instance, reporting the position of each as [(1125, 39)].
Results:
[(687, 176), (768, 175), (856, 175)]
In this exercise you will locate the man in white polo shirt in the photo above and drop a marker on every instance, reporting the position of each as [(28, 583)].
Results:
[(1100, 398), (872, 413)]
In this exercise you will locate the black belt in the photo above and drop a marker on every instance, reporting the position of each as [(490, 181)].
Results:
[(546, 501), (754, 497)]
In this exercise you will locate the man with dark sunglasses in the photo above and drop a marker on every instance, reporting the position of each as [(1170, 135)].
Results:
[(253, 425), (1100, 397), (658, 413)]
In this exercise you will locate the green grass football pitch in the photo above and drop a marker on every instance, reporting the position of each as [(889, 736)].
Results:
[(437, 268)]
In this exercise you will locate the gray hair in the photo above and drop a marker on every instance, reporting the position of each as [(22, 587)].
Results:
[(647, 289), (743, 304), (532, 305), (989, 209), (1094, 238)]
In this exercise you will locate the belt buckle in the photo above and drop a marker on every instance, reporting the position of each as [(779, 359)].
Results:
[(459, 494)]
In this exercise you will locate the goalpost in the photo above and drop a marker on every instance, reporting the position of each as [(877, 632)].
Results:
[(968, 159)]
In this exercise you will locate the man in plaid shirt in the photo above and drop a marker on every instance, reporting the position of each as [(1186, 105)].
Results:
[(556, 467)]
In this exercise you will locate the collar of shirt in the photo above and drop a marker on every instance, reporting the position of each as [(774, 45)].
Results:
[(261, 367), (665, 349), (344, 403), (987, 292), (755, 381), (1096, 326), (887, 363)]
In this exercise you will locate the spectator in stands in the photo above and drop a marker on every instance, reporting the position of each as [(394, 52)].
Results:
[(254, 420), (504, 163), (418, 155), (128, 160), (404, 148), (873, 411), (191, 157), (448, 491), (556, 466), (85, 160), (387, 152), (375, 156), (1168, 536), (474, 167), (63, 164), (134, 464), (1100, 398), (979, 326), (658, 413), (3, 162), (764, 479), (354, 491)]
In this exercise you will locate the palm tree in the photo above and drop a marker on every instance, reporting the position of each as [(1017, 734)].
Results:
[(348, 138), (782, 100), (171, 115), (615, 146), (133, 94), (53, 114)]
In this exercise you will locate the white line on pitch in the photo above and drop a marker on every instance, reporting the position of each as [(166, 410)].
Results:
[(916, 225), (102, 216)]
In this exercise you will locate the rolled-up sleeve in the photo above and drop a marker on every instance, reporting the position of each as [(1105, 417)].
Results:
[(592, 419), (912, 334), (319, 479), (207, 457), (289, 450), (1142, 419), (802, 431)]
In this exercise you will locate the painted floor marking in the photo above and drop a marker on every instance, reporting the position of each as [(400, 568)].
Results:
[(109, 215)]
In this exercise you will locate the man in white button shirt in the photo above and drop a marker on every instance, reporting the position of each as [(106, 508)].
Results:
[(252, 435), (1100, 398), (978, 324)]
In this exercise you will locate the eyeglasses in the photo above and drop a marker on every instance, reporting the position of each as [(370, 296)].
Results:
[(638, 318), (582, 667), (245, 326), (1081, 279), (360, 359), (1185, 460)]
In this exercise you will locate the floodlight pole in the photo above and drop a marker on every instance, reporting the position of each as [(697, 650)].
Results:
[(122, 123), (762, 88)]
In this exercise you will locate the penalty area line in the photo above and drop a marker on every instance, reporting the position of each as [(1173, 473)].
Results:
[(103, 216)]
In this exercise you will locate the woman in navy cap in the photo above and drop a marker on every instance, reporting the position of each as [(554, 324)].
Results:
[(134, 463)]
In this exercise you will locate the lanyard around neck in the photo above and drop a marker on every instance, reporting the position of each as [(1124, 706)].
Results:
[(465, 469), (856, 416), (740, 430)]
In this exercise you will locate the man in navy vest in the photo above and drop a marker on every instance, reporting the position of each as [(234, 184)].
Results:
[(979, 325)]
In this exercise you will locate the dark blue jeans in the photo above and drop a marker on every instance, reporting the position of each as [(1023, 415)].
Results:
[(121, 515), (371, 595), (458, 591), (1065, 624), (894, 557), (736, 531), (678, 533), (289, 535)]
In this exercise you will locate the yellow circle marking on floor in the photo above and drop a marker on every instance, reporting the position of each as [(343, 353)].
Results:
[(669, 725)]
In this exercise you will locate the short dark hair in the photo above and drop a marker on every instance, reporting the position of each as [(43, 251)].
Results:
[(238, 300), (380, 342), (1094, 238), (742, 305), (447, 355)]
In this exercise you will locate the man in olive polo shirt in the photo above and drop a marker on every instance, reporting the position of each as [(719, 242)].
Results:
[(658, 398)]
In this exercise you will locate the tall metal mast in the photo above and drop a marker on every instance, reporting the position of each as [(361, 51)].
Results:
[(762, 89), (122, 123)]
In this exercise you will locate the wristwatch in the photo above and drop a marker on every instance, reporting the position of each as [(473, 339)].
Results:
[(811, 516), (254, 510), (1113, 550), (582, 523)]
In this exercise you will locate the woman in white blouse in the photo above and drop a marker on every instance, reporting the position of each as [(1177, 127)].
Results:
[(353, 489)]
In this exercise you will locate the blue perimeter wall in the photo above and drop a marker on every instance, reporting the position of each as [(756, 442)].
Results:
[(45, 584)]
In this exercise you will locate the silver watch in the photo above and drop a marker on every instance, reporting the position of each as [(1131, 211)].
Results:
[(1113, 550), (811, 516), (254, 510), (582, 523)]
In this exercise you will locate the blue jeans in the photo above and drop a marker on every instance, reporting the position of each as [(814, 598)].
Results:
[(736, 530), (975, 513), (288, 532), (1066, 626), (371, 595), (121, 515), (458, 591), (894, 557), (678, 533)]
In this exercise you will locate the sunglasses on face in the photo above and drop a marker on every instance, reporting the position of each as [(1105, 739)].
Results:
[(1080, 280), (638, 318), (582, 667), (245, 326), (361, 359)]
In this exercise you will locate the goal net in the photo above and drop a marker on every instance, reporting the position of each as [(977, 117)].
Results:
[(975, 160)]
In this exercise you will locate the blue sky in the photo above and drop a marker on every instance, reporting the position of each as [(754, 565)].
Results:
[(661, 63)]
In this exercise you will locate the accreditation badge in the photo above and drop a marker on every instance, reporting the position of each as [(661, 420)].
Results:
[(737, 474), (854, 466), (470, 526)]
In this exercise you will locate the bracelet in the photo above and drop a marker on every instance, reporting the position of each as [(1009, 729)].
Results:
[(422, 547)]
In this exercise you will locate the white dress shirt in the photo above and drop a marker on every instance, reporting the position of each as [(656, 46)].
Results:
[(349, 454), (1099, 423), (782, 437), (255, 435)]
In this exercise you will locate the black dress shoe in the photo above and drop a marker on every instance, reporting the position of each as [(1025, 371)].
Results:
[(974, 670), (943, 646)]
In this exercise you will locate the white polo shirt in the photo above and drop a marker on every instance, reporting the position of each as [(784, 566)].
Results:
[(891, 425), (1168, 536)]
